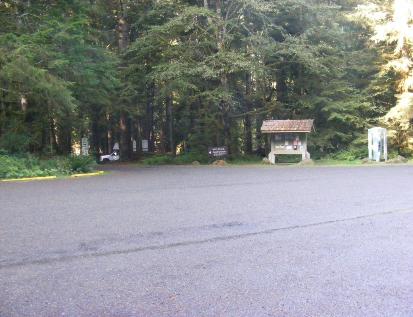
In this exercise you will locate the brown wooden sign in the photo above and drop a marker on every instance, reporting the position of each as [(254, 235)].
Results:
[(218, 151)]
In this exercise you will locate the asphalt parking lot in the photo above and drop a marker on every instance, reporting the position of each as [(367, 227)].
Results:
[(210, 241)]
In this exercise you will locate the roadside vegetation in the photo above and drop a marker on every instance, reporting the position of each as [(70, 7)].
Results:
[(350, 157), (20, 166), (183, 159), (27, 165)]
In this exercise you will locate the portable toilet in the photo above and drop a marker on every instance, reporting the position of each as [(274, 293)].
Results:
[(377, 139)]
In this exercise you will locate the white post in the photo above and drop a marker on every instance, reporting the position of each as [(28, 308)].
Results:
[(370, 144), (377, 139)]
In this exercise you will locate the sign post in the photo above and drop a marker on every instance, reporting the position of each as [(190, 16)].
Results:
[(145, 146), (218, 151), (85, 146)]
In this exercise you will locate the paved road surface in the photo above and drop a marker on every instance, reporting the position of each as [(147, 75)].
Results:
[(210, 241)]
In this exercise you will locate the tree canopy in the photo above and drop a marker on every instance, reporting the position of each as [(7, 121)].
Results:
[(188, 74)]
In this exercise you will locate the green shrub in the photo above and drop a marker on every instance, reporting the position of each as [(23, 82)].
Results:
[(27, 165), (158, 160), (3, 151), (81, 164), (13, 167), (9, 166), (190, 157), (15, 142), (350, 155), (406, 152), (59, 165)]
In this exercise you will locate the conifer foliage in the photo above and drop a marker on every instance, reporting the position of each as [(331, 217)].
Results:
[(189, 74)]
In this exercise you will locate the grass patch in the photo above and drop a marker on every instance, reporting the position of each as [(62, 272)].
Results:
[(348, 158), (244, 159), (332, 162), (189, 158), (181, 159), (288, 159)]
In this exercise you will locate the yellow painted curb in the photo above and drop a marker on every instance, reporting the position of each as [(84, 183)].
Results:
[(28, 179), (87, 174)]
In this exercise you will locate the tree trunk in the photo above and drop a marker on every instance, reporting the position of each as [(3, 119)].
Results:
[(123, 30), (18, 15), (2, 113), (123, 42), (281, 87), (170, 119), (109, 134), (224, 79), (68, 149), (247, 118), (259, 137), (123, 131), (149, 135), (137, 136), (53, 141), (64, 136), (95, 134), (218, 7)]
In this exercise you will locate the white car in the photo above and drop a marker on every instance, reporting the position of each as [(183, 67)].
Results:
[(112, 157)]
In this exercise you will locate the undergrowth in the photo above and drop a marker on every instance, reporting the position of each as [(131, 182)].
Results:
[(12, 166)]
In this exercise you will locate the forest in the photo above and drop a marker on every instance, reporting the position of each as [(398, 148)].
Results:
[(189, 74)]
